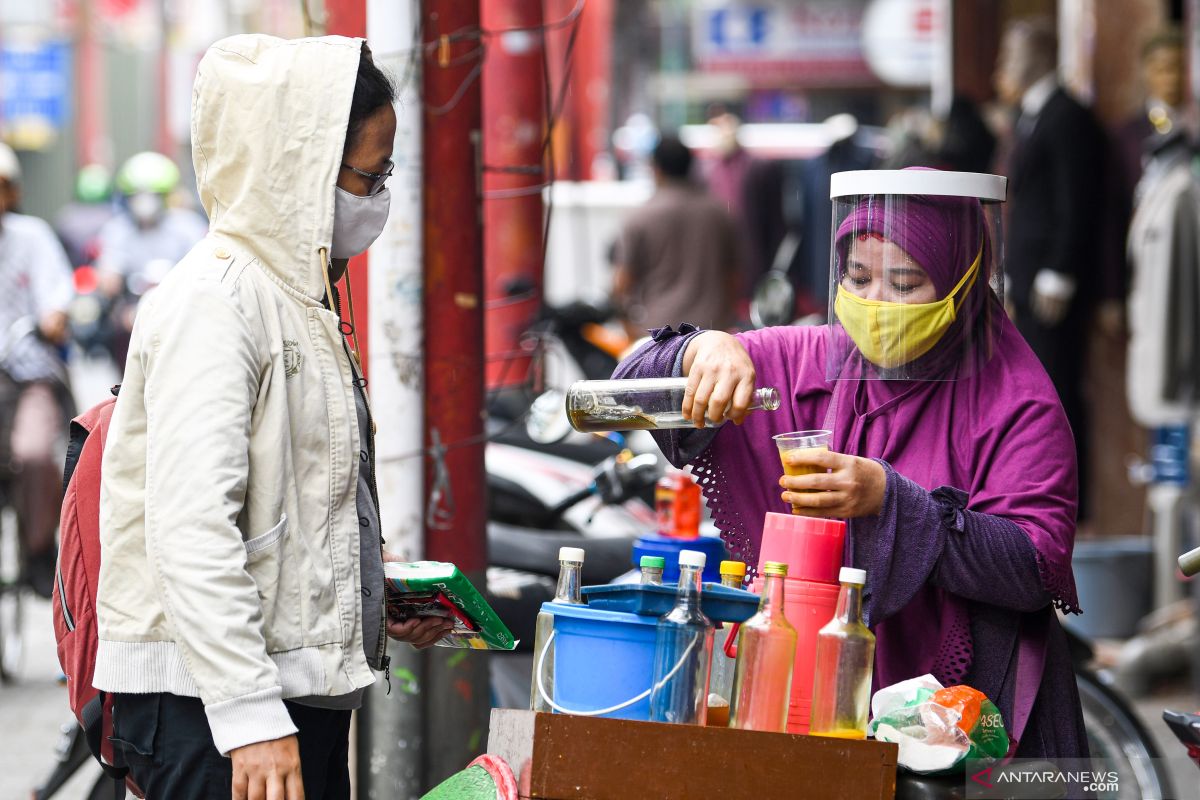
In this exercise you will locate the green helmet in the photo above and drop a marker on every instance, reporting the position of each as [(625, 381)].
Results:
[(148, 172), (93, 184)]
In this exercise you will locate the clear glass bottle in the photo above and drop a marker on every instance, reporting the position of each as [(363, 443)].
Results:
[(683, 651), (570, 569), (643, 404), (652, 570), (762, 683), (720, 684), (845, 658)]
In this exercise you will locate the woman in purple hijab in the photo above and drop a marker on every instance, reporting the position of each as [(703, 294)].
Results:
[(952, 460)]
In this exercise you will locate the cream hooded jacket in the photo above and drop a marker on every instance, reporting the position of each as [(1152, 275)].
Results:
[(228, 527)]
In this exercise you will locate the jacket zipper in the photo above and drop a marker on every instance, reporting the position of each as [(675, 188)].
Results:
[(68, 617)]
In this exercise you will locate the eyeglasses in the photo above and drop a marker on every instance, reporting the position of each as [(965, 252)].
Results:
[(378, 179)]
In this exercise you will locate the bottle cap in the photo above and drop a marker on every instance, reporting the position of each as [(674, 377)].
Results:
[(737, 568), (852, 575), (777, 568), (692, 558), (653, 562), (570, 554)]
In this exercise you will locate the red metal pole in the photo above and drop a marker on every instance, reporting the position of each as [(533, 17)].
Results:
[(454, 277), (455, 690), (514, 112), (349, 18), (592, 87), (89, 73)]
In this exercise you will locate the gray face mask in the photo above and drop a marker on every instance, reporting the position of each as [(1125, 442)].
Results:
[(357, 221)]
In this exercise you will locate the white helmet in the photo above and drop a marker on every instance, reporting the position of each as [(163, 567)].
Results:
[(10, 167)]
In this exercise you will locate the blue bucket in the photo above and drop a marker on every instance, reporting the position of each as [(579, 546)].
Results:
[(602, 659)]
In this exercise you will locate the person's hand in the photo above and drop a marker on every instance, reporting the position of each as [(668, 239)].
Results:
[(720, 379), (267, 770), (420, 632), (1049, 309), (53, 327), (843, 487)]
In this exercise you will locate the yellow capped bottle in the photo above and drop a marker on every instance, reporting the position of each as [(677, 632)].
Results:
[(720, 685), (762, 683), (845, 659)]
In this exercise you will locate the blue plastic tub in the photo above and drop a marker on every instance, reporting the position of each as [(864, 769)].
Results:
[(602, 659), (667, 547), (719, 603)]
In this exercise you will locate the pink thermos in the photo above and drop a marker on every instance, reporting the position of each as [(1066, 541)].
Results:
[(812, 549)]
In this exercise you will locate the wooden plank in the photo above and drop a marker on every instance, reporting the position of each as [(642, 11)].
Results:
[(559, 757)]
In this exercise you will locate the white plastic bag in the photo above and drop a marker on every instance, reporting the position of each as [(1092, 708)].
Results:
[(927, 733)]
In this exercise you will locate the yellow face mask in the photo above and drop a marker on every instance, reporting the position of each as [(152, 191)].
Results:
[(892, 334)]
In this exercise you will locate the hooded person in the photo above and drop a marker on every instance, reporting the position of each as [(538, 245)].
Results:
[(951, 457), (240, 600)]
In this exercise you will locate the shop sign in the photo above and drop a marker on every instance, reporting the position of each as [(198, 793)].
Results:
[(903, 40), (806, 42), (35, 92)]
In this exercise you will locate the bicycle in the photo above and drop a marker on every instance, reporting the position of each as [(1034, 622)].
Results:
[(12, 590)]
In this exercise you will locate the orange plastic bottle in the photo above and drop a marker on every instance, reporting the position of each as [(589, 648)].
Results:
[(677, 505)]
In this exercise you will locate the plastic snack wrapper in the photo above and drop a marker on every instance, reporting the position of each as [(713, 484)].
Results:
[(437, 588), (938, 728)]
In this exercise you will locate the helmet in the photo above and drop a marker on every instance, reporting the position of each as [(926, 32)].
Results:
[(93, 184), (10, 167), (148, 172)]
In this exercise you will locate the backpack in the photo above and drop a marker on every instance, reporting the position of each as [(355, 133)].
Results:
[(74, 599)]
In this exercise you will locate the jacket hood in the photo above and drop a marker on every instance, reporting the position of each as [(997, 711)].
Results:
[(269, 120)]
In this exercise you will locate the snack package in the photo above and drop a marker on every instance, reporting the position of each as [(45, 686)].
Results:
[(437, 588), (938, 728)]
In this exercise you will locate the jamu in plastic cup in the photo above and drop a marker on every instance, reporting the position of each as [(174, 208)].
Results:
[(798, 441)]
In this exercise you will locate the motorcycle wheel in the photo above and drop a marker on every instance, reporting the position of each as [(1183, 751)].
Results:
[(1118, 737)]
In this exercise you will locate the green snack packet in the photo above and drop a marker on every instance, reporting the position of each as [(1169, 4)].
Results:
[(988, 737), (437, 588)]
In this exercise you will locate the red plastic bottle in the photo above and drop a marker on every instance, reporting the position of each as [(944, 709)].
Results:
[(677, 504)]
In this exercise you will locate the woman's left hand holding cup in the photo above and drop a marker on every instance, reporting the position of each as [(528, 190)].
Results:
[(843, 487)]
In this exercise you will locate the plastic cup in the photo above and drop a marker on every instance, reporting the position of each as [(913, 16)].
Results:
[(798, 441)]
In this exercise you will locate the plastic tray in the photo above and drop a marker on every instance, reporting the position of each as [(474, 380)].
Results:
[(719, 603)]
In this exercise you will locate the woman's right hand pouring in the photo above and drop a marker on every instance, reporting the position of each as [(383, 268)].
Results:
[(720, 377)]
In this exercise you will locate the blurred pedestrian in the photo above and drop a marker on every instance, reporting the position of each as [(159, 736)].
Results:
[(1055, 213), (726, 175), (142, 241), (78, 223), (961, 141), (240, 607), (677, 258), (148, 235), (35, 293)]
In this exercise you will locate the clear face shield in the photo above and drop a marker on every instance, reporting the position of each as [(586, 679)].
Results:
[(916, 274)]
